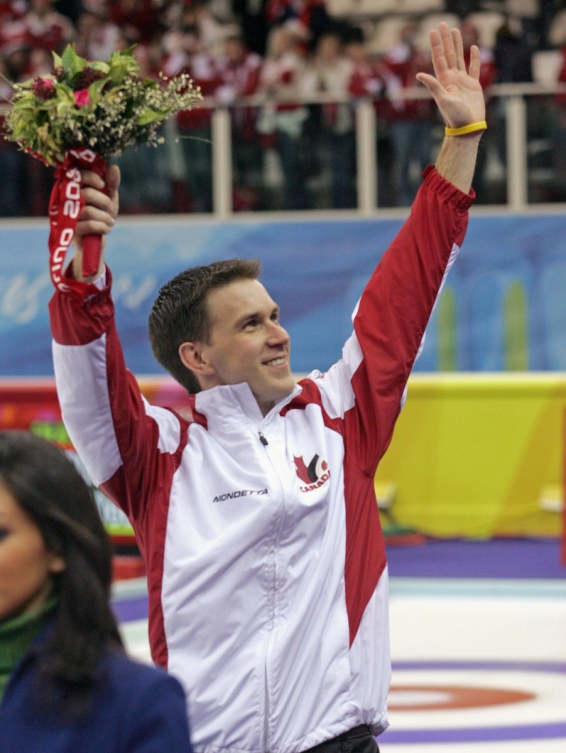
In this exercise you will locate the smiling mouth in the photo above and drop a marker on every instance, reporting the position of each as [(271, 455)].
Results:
[(279, 361)]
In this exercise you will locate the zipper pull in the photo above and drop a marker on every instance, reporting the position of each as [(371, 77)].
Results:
[(262, 439)]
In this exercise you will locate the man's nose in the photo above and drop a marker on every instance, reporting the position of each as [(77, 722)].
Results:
[(277, 335)]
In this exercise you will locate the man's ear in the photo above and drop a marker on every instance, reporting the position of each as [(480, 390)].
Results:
[(191, 355)]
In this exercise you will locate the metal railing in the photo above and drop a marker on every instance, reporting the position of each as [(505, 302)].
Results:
[(513, 95), (512, 122)]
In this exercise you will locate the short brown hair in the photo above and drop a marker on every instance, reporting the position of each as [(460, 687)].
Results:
[(179, 312)]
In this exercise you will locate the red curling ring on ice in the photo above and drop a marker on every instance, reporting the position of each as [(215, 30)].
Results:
[(441, 697)]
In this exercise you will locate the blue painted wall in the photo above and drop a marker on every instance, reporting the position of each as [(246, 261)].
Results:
[(315, 271)]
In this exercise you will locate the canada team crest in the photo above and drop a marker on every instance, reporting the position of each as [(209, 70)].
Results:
[(313, 475)]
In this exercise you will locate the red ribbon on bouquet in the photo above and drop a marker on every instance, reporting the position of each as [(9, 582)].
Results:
[(65, 206)]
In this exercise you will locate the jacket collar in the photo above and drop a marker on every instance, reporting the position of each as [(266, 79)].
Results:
[(225, 406)]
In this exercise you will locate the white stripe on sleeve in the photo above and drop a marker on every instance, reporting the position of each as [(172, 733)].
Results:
[(169, 427), (80, 374)]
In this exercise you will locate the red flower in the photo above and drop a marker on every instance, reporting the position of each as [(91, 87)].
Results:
[(43, 88), (82, 97)]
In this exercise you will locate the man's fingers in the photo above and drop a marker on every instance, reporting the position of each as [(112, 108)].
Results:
[(434, 87), (113, 180), (459, 48), (475, 63), (95, 198), (447, 45), (96, 227), (90, 212), (437, 51), (91, 179)]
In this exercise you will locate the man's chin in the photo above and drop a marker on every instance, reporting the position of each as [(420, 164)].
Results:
[(280, 390), (285, 392)]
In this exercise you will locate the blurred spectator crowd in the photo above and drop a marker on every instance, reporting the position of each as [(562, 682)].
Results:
[(287, 153)]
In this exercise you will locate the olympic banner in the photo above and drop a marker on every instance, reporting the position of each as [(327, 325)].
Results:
[(503, 307)]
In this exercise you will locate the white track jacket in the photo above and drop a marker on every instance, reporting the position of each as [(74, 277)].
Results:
[(266, 564)]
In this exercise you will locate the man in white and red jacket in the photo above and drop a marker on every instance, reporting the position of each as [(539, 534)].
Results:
[(254, 507)]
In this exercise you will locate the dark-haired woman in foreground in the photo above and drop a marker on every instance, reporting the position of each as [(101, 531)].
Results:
[(66, 685)]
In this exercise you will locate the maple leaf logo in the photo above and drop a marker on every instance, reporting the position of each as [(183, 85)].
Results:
[(310, 474)]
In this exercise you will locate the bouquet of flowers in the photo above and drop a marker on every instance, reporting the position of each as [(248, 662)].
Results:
[(79, 117)]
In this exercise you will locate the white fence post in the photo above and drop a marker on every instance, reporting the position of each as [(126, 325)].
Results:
[(516, 133), (221, 163), (366, 157)]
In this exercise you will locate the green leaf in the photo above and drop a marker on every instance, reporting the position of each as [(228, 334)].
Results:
[(122, 61), (57, 62), (64, 95), (119, 56), (95, 89), (117, 73), (72, 62), (99, 65), (68, 58), (150, 116)]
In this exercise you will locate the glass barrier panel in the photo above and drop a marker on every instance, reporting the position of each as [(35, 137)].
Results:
[(490, 177), (175, 176), (189, 140), (294, 157), (408, 136), (146, 186), (26, 183), (546, 148), (409, 139)]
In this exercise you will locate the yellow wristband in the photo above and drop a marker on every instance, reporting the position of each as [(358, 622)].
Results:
[(481, 125)]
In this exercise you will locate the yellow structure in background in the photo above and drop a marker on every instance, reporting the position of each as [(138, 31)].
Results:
[(473, 454)]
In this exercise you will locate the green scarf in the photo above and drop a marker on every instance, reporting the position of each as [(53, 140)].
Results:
[(16, 636)]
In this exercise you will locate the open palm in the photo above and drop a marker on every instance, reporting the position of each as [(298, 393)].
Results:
[(457, 92)]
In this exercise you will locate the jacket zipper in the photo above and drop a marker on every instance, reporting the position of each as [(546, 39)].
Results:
[(265, 443)]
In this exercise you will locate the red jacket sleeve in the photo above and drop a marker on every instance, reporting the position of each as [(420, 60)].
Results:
[(365, 388), (130, 449)]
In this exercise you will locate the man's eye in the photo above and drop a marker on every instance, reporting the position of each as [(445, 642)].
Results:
[(251, 323), (3, 533)]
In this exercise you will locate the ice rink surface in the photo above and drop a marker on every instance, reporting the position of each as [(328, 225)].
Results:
[(478, 663)]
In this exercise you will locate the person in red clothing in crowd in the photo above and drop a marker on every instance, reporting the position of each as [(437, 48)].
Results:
[(46, 28), (282, 78), (139, 19), (12, 10), (211, 32), (186, 54), (366, 79), (411, 120), (312, 14), (488, 73), (13, 37), (329, 73), (369, 80), (97, 36), (239, 70), (470, 37), (240, 73), (40, 62)]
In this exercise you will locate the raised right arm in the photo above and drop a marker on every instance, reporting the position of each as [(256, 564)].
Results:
[(130, 449)]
